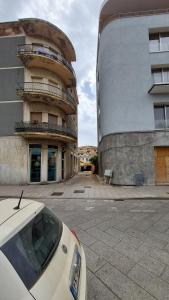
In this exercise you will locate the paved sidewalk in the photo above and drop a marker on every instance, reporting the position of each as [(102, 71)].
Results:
[(126, 246), (126, 242), (85, 187)]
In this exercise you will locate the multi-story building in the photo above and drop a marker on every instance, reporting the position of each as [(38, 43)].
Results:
[(38, 103), (133, 91)]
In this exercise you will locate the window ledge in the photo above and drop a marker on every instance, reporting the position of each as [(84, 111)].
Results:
[(161, 51), (159, 88)]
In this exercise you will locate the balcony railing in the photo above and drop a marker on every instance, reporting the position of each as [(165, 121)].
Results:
[(28, 49), (36, 127), (46, 89)]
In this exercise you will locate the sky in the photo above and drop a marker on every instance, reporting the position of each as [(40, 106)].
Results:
[(79, 20)]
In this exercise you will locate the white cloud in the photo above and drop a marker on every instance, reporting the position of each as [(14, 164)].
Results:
[(79, 20)]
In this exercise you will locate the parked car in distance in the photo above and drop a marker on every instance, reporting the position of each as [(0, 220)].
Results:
[(40, 258)]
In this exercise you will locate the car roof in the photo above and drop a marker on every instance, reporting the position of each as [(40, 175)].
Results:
[(12, 220)]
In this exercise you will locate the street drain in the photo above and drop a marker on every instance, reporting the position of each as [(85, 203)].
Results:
[(119, 200), (57, 194), (79, 191)]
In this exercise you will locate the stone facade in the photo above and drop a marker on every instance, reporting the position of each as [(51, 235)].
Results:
[(38, 103), (131, 155), (13, 160), (128, 126)]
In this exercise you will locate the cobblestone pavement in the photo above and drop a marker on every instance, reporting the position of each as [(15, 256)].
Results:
[(126, 242), (126, 245)]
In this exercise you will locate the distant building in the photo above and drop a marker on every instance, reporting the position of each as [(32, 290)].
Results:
[(38, 103), (85, 153), (133, 91)]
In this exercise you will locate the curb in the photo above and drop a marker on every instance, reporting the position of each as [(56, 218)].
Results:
[(90, 198)]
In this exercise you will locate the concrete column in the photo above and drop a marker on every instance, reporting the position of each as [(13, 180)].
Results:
[(59, 164), (26, 112), (44, 163), (59, 121), (45, 117)]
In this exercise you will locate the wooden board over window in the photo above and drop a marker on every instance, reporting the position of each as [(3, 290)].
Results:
[(162, 164)]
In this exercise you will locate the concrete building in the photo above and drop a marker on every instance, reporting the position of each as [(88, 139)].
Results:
[(133, 91), (38, 103)]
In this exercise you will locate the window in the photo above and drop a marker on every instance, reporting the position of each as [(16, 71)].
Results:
[(160, 75), (36, 117), (36, 79), (63, 123), (52, 163), (154, 42), (164, 39), (32, 248), (165, 75), (161, 116), (159, 41), (52, 119), (35, 163)]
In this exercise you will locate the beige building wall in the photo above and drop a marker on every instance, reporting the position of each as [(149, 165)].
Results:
[(46, 76), (30, 40), (17, 158), (14, 162)]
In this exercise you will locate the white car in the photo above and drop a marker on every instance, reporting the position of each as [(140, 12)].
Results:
[(40, 258)]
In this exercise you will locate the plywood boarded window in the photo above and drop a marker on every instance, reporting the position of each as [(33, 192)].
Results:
[(162, 164)]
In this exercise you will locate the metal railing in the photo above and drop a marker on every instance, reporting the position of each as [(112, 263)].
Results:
[(46, 89), (44, 128), (44, 51)]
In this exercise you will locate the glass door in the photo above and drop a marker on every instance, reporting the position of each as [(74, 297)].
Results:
[(52, 163), (63, 165), (35, 163)]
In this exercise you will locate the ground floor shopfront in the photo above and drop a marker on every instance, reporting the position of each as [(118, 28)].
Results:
[(36, 161), (136, 158)]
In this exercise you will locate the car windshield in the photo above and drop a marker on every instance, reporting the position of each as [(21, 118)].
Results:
[(31, 249)]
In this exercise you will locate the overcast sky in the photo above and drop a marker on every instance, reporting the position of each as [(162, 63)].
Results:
[(79, 20)]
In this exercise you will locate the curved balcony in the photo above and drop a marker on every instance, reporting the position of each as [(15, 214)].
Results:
[(45, 131), (38, 56), (47, 93)]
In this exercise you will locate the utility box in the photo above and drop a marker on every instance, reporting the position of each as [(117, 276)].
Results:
[(108, 174), (139, 179)]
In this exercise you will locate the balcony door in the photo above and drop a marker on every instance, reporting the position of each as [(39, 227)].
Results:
[(35, 163), (52, 119)]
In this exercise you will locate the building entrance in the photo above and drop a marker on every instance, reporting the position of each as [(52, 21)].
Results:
[(52, 163), (35, 163), (162, 164)]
